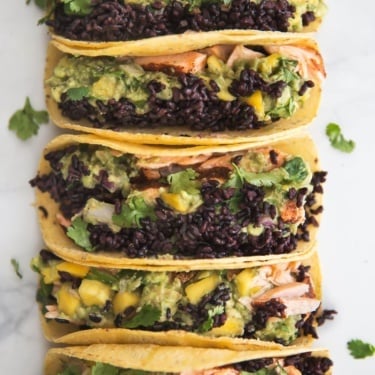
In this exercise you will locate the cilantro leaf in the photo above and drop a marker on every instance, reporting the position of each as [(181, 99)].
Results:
[(146, 317), (296, 169), (333, 131), (43, 295), (77, 7), (79, 234), (77, 93), (104, 369), (132, 211), (25, 122), (184, 181), (207, 325), (104, 277), (359, 349), (42, 4), (16, 267), (267, 179)]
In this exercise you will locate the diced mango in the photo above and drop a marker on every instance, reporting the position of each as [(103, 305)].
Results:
[(123, 300), (175, 201), (231, 327), (244, 282), (50, 274), (197, 290), (67, 300), (74, 269), (269, 63), (256, 101), (93, 292)]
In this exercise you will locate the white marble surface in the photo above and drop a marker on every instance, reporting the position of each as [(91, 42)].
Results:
[(347, 246)]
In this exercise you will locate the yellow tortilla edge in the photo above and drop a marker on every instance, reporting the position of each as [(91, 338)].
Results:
[(177, 135), (157, 358), (68, 334), (57, 241)]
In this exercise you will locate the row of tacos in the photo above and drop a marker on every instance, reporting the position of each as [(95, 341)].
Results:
[(181, 225)]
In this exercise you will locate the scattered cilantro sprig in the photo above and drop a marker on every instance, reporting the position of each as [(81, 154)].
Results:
[(79, 234), (16, 267), (42, 4), (26, 121), (133, 211), (77, 7), (360, 349), (333, 131), (146, 317)]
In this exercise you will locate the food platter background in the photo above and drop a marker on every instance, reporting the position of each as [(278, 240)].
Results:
[(346, 238)]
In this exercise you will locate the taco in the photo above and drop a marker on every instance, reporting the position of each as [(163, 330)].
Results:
[(106, 203), (153, 359), (266, 306), (234, 89), (102, 22)]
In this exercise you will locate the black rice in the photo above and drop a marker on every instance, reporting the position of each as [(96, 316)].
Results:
[(115, 20)]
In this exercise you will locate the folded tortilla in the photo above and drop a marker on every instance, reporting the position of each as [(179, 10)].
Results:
[(111, 22), (268, 306), (124, 102), (121, 205), (157, 359)]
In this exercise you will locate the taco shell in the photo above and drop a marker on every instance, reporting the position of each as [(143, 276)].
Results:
[(56, 239), (158, 359), (70, 334), (180, 135)]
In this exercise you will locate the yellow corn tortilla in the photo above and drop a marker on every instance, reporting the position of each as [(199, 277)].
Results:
[(55, 238), (67, 333), (177, 135), (156, 358)]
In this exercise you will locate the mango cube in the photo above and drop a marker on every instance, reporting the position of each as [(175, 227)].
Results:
[(175, 201), (123, 300), (74, 269), (231, 327), (244, 282), (197, 290), (256, 101), (93, 292), (67, 300), (50, 274)]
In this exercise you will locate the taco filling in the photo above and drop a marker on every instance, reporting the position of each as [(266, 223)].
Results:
[(119, 20), (211, 205), (270, 303), (298, 364), (218, 88)]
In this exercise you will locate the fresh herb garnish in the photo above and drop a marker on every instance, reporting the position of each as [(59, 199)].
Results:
[(146, 317), (77, 7), (296, 169), (104, 277), (359, 349), (77, 93), (25, 122), (133, 211), (333, 131), (79, 234), (184, 181), (16, 267), (43, 295), (104, 369), (42, 4), (208, 324)]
